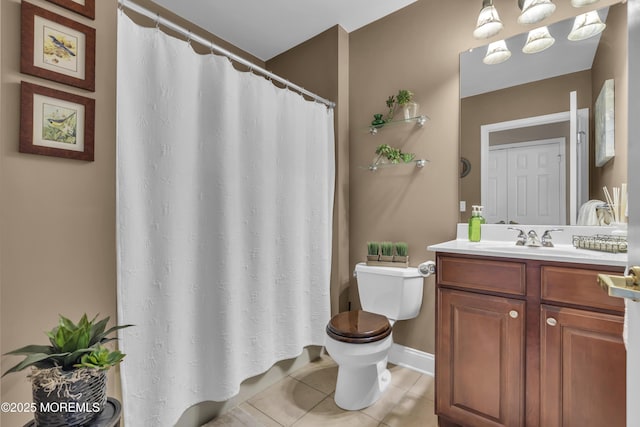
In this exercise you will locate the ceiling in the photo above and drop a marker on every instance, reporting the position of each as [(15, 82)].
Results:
[(267, 28)]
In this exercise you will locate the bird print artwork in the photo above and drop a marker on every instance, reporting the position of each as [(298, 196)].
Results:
[(61, 45), (59, 124), (60, 50)]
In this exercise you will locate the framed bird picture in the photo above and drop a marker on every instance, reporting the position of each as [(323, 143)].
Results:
[(83, 7), (56, 123), (57, 48)]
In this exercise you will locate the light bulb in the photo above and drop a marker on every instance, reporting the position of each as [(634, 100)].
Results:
[(534, 11), (497, 52), (489, 23), (538, 40)]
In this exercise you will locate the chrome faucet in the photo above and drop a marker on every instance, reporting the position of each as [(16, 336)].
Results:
[(546, 237), (532, 239), (522, 238)]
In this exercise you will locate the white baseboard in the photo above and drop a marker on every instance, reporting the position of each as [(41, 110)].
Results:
[(412, 359)]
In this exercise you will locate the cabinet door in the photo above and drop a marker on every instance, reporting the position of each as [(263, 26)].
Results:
[(582, 369), (480, 359)]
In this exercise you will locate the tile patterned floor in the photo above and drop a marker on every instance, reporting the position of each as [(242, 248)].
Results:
[(305, 399)]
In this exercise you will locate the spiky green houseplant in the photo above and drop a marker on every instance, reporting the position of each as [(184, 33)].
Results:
[(373, 251), (72, 369), (386, 250), (401, 252)]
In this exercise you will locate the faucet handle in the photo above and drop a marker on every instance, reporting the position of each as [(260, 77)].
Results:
[(532, 239), (546, 237), (522, 238)]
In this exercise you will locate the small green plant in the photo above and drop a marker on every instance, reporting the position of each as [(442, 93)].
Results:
[(72, 345), (403, 97), (394, 155), (386, 248), (402, 249), (373, 248), (100, 358), (394, 101)]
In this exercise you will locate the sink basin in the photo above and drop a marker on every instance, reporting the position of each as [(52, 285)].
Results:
[(556, 251)]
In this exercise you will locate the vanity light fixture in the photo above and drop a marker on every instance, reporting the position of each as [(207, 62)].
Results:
[(581, 3), (586, 25), (538, 40), (534, 11), (489, 23), (497, 52)]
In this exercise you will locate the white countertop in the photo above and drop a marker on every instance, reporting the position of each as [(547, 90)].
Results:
[(499, 241)]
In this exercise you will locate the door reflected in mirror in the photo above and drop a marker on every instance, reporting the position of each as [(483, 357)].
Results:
[(530, 164)]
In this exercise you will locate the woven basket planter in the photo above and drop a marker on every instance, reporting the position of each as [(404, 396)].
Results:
[(68, 398)]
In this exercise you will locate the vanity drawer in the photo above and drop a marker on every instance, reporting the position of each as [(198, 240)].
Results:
[(482, 274), (577, 286)]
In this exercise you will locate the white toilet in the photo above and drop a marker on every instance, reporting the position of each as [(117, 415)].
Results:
[(359, 341)]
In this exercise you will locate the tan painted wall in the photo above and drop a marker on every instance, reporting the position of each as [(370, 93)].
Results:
[(417, 49), (528, 100), (611, 63)]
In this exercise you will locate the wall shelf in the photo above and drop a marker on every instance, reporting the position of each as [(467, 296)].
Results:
[(378, 164), (418, 120)]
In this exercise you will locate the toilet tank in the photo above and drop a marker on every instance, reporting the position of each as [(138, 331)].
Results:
[(390, 291)]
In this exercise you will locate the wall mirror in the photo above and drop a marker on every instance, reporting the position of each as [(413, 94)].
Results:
[(530, 163)]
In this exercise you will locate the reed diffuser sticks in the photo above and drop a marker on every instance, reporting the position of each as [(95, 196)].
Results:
[(618, 203)]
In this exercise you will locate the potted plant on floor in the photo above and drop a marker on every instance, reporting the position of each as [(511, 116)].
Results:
[(68, 377)]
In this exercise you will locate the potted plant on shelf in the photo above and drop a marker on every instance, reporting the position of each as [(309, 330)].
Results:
[(373, 251), (394, 155), (404, 100), (401, 253), (68, 377)]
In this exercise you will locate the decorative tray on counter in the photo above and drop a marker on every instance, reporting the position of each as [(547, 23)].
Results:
[(602, 243)]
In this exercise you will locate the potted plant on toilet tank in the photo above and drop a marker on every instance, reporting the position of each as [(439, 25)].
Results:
[(68, 377), (388, 254)]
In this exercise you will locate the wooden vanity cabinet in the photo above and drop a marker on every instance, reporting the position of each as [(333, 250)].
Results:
[(527, 343)]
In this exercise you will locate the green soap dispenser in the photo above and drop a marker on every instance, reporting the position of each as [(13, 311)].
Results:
[(475, 223)]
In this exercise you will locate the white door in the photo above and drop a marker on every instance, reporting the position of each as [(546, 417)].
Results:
[(496, 205), (633, 308), (527, 183)]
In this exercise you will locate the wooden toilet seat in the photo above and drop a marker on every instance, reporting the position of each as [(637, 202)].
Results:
[(358, 327)]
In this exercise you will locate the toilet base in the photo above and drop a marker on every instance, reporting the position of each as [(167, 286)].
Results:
[(361, 386)]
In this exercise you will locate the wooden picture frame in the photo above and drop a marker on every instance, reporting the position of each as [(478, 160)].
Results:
[(56, 123), (605, 124), (83, 7), (57, 48)]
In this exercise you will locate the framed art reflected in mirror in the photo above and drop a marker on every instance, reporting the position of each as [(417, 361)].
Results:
[(605, 124)]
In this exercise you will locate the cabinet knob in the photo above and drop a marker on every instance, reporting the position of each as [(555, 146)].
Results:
[(513, 314), (551, 321)]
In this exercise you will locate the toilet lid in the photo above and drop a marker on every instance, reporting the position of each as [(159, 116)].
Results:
[(358, 327)]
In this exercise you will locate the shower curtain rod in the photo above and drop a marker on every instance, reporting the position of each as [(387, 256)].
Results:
[(214, 47)]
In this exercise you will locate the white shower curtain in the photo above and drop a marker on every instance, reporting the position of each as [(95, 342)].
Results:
[(224, 204)]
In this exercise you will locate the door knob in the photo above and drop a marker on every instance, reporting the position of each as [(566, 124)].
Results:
[(627, 286), (551, 321), (513, 314)]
